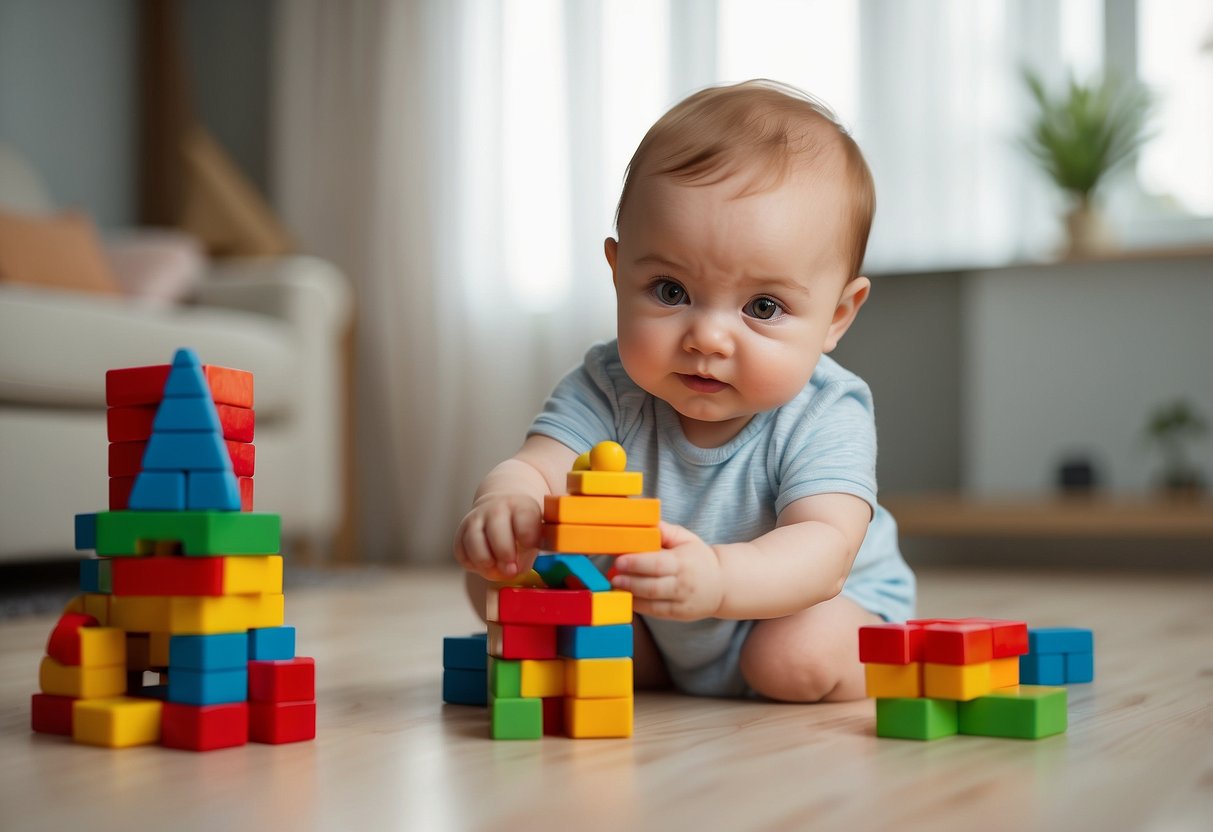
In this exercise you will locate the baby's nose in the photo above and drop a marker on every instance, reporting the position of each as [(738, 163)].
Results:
[(708, 334)]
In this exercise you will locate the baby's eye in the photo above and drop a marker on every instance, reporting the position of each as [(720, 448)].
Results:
[(763, 308), (670, 293)]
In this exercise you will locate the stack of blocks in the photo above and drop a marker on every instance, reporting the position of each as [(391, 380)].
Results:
[(560, 639), (934, 678), (188, 583), (1058, 656)]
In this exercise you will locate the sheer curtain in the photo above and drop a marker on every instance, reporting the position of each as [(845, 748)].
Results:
[(460, 160)]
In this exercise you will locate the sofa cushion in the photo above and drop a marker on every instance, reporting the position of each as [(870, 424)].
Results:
[(60, 251), (55, 346)]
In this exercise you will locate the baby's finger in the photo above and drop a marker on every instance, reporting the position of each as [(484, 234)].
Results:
[(645, 563), (660, 608), (472, 550), (499, 532), (643, 588)]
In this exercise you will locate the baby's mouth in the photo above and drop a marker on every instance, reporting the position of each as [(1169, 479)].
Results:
[(702, 384)]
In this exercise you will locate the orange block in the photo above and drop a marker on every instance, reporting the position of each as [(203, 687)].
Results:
[(600, 540), (602, 511), (605, 483)]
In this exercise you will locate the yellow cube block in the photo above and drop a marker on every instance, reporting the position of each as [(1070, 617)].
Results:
[(585, 718), (81, 682), (542, 678), (893, 681), (961, 682), (1004, 673), (600, 540), (102, 646), (157, 649), (116, 723), (97, 605), (605, 483), (252, 575), (613, 607), (197, 614), (601, 511), (598, 678)]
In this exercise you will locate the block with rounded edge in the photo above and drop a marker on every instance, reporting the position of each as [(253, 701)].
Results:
[(81, 682), (608, 456), (63, 645), (121, 722), (916, 718)]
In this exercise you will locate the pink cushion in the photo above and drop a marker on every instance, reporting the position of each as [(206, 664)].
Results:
[(160, 266)]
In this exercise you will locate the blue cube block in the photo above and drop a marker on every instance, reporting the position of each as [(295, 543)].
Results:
[(1047, 669), (266, 644), (207, 687), (465, 687), (465, 652), (158, 491), (220, 651), (608, 642), (86, 531), (1060, 640), (212, 491), (1080, 667)]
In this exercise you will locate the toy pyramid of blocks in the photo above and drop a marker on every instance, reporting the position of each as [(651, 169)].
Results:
[(934, 678), (187, 583), (559, 640)]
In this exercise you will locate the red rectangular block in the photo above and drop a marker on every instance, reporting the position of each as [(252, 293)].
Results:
[(526, 605), (1010, 637), (957, 643), (890, 644), (522, 641), (285, 680), (246, 493), (133, 423), (145, 385), (120, 492), (51, 714), (167, 576), (204, 727), (281, 722), (244, 457)]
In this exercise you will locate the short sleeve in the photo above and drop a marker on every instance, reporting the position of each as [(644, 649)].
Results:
[(581, 411)]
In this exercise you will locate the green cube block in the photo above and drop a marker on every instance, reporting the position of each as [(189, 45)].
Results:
[(515, 719), (505, 678), (915, 719), (1026, 712), (131, 533)]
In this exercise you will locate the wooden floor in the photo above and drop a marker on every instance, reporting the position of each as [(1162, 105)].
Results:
[(1138, 754)]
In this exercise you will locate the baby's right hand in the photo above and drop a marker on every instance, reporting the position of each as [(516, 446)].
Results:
[(499, 538)]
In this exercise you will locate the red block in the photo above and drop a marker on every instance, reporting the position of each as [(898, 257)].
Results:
[(126, 458), (553, 716), (890, 644), (167, 576), (239, 423), (51, 714), (145, 385), (244, 457), (279, 722), (64, 643), (228, 386), (133, 423), (204, 727), (957, 643), (524, 605), (285, 680), (246, 493), (522, 641), (1010, 637), (120, 492)]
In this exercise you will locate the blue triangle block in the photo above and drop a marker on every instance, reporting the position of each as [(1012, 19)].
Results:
[(158, 491), (185, 357), (186, 382), (191, 414), (212, 491), (201, 451)]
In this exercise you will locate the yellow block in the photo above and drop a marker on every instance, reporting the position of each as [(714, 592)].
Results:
[(102, 646), (81, 682), (605, 483), (584, 718), (197, 614), (598, 678), (98, 606), (602, 511), (542, 678), (1004, 673), (613, 607), (252, 575), (157, 649), (600, 540), (116, 723), (138, 651), (893, 681), (956, 681)]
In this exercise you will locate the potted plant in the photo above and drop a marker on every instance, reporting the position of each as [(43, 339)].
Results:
[(1079, 137), (1172, 427)]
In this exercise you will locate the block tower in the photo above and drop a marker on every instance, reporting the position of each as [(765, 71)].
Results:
[(187, 585), (559, 639), (933, 678)]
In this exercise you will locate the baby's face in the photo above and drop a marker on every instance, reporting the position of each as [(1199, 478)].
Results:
[(726, 303)]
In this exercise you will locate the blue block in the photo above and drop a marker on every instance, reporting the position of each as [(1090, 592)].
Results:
[(465, 652), (186, 379), (192, 451), (608, 642), (86, 531), (1060, 640), (175, 415), (267, 644), (1046, 669), (186, 357), (465, 687), (1080, 667), (220, 651), (212, 491), (158, 491), (208, 687), (90, 575), (555, 568)]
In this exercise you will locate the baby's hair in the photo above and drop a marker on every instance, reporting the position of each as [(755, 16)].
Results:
[(765, 127)]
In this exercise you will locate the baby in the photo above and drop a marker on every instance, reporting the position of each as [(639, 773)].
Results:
[(741, 229)]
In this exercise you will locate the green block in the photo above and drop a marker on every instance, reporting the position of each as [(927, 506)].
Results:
[(505, 678), (915, 719), (131, 533), (1026, 712), (105, 577), (515, 719)]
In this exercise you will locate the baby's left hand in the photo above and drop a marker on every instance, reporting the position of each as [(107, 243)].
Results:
[(683, 581)]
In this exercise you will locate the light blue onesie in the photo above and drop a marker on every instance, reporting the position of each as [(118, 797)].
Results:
[(823, 441)]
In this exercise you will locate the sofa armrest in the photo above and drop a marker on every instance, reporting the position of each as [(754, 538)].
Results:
[(304, 291)]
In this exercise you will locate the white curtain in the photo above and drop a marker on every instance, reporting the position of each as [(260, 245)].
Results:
[(460, 160)]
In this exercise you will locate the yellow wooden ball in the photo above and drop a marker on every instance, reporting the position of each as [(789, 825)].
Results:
[(608, 456), (582, 463)]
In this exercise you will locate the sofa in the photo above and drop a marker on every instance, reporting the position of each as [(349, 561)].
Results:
[(282, 318)]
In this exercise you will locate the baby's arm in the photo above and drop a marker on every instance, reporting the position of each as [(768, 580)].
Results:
[(499, 537), (803, 561)]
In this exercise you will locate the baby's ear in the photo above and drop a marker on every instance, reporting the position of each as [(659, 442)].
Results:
[(854, 295), (611, 247)]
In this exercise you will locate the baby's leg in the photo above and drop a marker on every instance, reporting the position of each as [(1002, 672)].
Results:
[(810, 656)]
